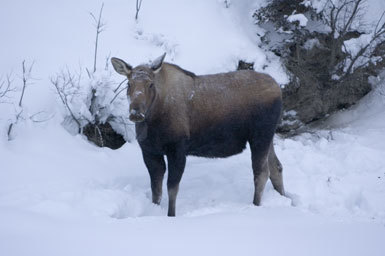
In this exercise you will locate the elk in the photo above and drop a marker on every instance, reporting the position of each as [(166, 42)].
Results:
[(177, 113)]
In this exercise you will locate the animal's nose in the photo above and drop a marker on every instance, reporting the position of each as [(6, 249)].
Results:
[(136, 114), (134, 111)]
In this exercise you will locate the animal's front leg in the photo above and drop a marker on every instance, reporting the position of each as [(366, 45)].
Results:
[(156, 168), (176, 163)]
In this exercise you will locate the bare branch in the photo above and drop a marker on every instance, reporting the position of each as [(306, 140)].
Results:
[(32, 117), (6, 86), (378, 23), (94, 18), (116, 95), (341, 15), (363, 52), (64, 97), (99, 29), (120, 84), (24, 83), (26, 76), (138, 6), (100, 135), (88, 73), (107, 61), (351, 15)]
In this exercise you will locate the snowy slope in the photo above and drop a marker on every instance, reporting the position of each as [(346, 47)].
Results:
[(60, 195)]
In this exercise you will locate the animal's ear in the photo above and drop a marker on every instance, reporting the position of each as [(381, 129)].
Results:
[(121, 66), (156, 65)]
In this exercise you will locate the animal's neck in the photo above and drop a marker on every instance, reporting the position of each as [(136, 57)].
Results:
[(154, 110), (141, 131)]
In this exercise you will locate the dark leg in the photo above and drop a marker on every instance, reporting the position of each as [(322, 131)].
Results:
[(275, 168), (156, 168), (176, 159), (259, 158)]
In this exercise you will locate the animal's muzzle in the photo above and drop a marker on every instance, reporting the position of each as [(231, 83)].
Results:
[(136, 116)]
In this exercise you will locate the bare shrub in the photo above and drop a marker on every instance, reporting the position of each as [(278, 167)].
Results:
[(26, 79)]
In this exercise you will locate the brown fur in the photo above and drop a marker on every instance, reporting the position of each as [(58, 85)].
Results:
[(208, 99)]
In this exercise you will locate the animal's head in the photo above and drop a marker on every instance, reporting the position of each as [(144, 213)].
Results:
[(141, 89)]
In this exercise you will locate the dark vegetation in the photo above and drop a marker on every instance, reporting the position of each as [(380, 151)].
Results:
[(325, 74)]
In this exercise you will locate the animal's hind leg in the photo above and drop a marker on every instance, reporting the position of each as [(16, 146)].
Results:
[(275, 168), (259, 158)]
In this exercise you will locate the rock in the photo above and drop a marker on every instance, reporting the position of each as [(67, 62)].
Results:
[(103, 135)]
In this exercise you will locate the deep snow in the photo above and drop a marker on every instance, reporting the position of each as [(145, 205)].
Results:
[(60, 195)]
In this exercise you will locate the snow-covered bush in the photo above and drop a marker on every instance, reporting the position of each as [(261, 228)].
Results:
[(95, 106)]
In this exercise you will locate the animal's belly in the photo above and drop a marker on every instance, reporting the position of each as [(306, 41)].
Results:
[(218, 142)]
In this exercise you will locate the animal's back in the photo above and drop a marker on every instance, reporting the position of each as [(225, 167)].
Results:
[(226, 110)]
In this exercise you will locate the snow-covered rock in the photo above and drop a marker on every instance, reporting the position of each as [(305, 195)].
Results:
[(302, 20)]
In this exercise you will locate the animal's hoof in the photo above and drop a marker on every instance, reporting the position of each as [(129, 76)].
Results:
[(257, 202)]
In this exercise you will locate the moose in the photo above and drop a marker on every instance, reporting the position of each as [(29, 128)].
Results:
[(177, 113)]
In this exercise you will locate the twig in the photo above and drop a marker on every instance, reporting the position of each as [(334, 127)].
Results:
[(107, 61), (32, 117), (138, 6), (116, 95), (24, 83), (99, 29), (26, 75), (351, 14), (63, 97), (378, 32), (12, 124), (378, 23), (6, 86), (100, 135), (117, 88)]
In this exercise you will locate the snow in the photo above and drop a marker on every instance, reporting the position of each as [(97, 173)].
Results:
[(69, 197), (302, 20), (311, 43), (372, 8), (353, 47), (61, 195)]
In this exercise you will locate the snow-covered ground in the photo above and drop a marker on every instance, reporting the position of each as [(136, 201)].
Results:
[(60, 195)]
